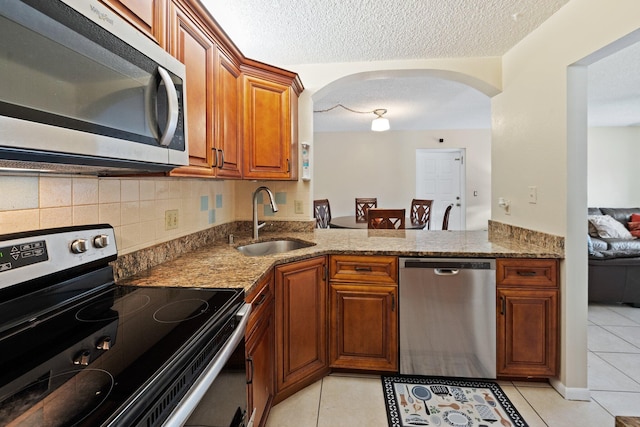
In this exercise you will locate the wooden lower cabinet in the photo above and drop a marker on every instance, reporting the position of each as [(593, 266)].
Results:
[(260, 349), (363, 313), (364, 327), (301, 325), (527, 318)]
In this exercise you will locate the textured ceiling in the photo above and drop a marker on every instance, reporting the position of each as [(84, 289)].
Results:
[(614, 89), (286, 33)]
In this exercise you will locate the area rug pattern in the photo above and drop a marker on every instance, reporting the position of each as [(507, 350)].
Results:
[(442, 401)]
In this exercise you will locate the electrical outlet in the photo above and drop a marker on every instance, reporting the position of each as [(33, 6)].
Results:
[(171, 219), (298, 206), (533, 194)]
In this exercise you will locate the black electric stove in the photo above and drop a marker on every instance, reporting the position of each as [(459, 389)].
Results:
[(78, 349)]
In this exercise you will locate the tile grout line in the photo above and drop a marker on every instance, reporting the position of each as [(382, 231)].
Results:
[(596, 354), (529, 403), (619, 336), (319, 403)]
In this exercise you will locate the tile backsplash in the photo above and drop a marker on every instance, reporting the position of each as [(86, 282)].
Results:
[(137, 207)]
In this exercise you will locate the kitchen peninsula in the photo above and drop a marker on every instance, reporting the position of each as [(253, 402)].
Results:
[(221, 265), (333, 306)]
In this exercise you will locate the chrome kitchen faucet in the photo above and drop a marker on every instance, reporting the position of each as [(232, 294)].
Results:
[(274, 206)]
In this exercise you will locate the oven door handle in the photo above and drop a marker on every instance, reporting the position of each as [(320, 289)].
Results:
[(190, 401)]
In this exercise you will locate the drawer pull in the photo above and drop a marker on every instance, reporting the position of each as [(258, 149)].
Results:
[(363, 268), (526, 273), (261, 300), (251, 369), (503, 305)]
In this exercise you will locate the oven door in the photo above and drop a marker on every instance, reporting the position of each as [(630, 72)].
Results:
[(219, 396)]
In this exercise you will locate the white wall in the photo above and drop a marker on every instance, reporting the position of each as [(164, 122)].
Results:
[(382, 165), (613, 156), (539, 138)]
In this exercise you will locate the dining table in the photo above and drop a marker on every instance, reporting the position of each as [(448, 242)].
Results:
[(349, 221)]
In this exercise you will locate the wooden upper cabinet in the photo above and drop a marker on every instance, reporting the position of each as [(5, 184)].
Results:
[(228, 107), (270, 131), (146, 15), (241, 114), (189, 43)]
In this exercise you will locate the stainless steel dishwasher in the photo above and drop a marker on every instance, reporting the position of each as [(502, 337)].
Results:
[(448, 317)]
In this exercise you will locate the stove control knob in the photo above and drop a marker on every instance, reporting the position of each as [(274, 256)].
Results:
[(82, 358), (101, 241), (79, 246), (104, 343)]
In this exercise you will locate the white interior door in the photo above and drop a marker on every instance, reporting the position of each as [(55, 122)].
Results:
[(440, 177)]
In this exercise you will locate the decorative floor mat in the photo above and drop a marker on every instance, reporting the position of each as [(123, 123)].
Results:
[(441, 401)]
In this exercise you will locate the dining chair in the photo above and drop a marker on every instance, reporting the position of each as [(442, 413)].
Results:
[(445, 218), (322, 212), (385, 218), (420, 212), (362, 204)]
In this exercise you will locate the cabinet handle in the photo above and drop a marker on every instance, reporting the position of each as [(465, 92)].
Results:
[(221, 159), (261, 300), (526, 273), (393, 302), (363, 269), (288, 166), (251, 370), (503, 305), (324, 272), (215, 156)]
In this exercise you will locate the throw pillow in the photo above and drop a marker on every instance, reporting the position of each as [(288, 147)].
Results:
[(634, 226), (608, 227)]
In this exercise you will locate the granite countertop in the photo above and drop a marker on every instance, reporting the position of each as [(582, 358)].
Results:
[(221, 265)]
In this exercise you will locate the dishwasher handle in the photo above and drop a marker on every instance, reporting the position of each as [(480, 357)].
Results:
[(446, 271)]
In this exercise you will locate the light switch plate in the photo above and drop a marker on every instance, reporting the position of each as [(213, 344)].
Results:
[(171, 219), (298, 206)]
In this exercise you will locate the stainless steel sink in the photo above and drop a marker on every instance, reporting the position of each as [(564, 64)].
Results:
[(273, 247)]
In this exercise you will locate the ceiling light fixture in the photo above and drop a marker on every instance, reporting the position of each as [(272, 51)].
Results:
[(379, 124)]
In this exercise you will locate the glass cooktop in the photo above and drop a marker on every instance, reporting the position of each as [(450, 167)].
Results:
[(87, 359)]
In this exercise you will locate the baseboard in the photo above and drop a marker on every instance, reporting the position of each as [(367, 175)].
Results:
[(570, 393)]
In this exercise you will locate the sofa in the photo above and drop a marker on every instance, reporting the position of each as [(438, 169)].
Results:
[(614, 255)]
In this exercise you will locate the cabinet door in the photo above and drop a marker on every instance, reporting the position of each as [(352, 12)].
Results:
[(228, 139), (301, 325), (527, 332), (197, 51), (260, 353), (364, 327), (146, 15), (260, 346), (267, 129)]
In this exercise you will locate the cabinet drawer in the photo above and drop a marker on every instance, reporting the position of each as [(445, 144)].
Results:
[(260, 297), (527, 272), (368, 269)]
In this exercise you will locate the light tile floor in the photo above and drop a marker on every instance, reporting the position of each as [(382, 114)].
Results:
[(614, 382)]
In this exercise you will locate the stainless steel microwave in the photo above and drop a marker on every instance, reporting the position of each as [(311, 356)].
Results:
[(81, 91)]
